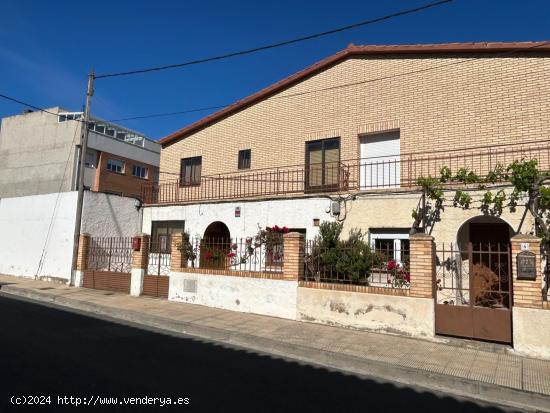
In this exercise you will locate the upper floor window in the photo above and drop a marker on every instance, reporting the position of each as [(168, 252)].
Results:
[(139, 171), (323, 163), (245, 156), (190, 170), (91, 159), (115, 165), (62, 117)]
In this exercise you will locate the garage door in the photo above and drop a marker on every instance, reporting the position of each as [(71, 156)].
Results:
[(380, 163)]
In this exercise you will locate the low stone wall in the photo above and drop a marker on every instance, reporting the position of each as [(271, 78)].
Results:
[(245, 294), (531, 329), (408, 316)]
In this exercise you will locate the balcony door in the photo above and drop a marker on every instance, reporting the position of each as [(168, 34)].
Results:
[(380, 161), (322, 164)]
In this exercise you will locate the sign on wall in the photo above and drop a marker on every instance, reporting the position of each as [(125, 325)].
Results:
[(526, 266)]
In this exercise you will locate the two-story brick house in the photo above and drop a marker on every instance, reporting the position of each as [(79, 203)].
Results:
[(358, 128)]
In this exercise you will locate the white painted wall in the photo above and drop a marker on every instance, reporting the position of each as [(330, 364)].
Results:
[(408, 316), (24, 223), (531, 329), (106, 215), (293, 213), (249, 295)]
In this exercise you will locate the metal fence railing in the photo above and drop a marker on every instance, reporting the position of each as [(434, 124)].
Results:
[(113, 254), (358, 265), (237, 254), (384, 172)]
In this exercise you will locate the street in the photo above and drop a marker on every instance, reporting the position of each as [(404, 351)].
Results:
[(49, 352)]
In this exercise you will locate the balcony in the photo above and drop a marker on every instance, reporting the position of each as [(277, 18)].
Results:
[(349, 176)]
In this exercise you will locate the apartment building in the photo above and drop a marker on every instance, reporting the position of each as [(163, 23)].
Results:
[(39, 154)]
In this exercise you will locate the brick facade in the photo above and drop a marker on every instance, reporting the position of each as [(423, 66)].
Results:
[(123, 183), (526, 293), (140, 258), (294, 245), (83, 251), (486, 101), (422, 266)]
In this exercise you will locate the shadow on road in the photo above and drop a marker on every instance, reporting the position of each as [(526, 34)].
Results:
[(46, 351)]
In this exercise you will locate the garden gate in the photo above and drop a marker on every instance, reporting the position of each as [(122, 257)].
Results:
[(473, 292)]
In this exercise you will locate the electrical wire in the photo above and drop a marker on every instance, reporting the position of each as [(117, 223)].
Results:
[(34, 107), (345, 85), (279, 44), (56, 204)]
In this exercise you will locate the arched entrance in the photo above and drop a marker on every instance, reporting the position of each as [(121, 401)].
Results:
[(473, 286), (483, 231), (215, 245)]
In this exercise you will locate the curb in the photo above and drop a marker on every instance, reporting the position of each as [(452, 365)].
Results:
[(380, 371)]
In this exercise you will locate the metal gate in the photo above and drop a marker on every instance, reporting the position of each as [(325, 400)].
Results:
[(156, 280), (109, 264), (473, 292)]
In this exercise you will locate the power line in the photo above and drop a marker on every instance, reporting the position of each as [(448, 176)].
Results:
[(33, 106), (345, 85), (279, 44)]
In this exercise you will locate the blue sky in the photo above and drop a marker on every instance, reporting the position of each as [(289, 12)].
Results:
[(47, 49)]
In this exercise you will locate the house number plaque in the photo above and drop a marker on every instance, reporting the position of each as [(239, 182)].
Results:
[(527, 266)]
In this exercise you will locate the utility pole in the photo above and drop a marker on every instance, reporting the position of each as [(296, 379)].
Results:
[(83, 149)]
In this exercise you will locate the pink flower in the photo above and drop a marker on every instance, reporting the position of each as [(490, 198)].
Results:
[(234, 246)]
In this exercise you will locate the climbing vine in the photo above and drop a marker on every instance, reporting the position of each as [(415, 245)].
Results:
[(527, 180)]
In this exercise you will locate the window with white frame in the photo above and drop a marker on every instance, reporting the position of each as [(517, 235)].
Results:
[(115, 165), (392, 243), (139, 171)]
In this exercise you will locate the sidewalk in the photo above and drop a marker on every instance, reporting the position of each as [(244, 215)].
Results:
[(483, 372)]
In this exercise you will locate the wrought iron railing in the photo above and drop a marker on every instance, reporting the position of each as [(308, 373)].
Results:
[(357, 264), (473, 275), (113, 254), (386, 172), (249, 254)]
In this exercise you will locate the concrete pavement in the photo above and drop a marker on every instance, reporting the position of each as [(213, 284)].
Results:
[(484, 372)]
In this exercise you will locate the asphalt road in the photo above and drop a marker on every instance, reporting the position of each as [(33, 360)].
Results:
[(47, 351)]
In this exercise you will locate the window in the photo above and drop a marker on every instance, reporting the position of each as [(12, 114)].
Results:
[(115, 165), (392, 243), (190, 172), (244, 158), (161, 232), (139, 171), (322, 162), (62, 117), (91, 159)]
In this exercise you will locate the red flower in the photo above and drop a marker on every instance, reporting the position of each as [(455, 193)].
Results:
[(392, 265), (276, 228), (285, 230), (231, 255), (407, 277)]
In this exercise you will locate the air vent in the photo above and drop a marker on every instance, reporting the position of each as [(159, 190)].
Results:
[(190, 286)]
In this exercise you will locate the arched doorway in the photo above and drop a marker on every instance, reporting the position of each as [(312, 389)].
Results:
[(474, 288), (215, 245), (483, 231)]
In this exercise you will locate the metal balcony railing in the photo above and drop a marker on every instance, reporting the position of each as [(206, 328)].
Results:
[(386, 172)]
